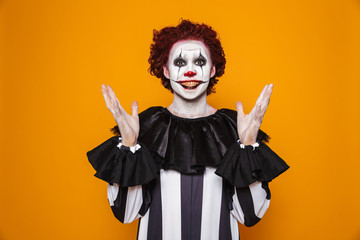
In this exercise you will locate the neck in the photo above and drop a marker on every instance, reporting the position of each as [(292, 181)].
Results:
[(193, 108)]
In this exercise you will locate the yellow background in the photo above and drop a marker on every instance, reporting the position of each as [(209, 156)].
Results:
[(56, 54)]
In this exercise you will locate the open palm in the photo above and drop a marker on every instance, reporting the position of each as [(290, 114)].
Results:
[(248, 125), (128, 124)]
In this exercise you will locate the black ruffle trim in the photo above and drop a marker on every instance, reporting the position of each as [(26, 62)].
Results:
[(128, 169), (189, 145), (242, 167)]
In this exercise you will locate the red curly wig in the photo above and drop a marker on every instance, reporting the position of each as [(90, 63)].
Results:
[(164, 39)]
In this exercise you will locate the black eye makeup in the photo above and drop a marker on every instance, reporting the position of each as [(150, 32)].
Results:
[(179, 62), (200, 61)]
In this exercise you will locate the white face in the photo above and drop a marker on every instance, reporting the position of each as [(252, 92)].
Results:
[(189, 68)]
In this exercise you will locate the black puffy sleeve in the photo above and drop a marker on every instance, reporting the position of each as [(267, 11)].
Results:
[(243, 166), (115, 165)]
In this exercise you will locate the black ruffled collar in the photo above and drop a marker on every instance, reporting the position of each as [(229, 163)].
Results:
[(188, 145)]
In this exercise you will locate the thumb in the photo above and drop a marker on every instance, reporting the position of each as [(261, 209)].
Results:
[(240, 108), (134, 108)]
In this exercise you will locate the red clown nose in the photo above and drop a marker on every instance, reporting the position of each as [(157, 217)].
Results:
[(189, 74)]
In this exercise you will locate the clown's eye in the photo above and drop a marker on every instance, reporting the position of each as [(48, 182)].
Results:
[(179, 62), (200, 61)]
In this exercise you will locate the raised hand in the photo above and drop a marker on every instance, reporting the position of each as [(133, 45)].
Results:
[(128, 124), (248, 124)]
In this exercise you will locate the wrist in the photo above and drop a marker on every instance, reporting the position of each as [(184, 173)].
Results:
[(247, 141), (254, 145), (128, 143), (131, 147)]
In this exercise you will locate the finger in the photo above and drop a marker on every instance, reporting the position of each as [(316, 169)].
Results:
[(253, 111), (266, 100), (123, 122), (260, 100), (117, 109), (240, 108), (115, 99), (134, 108), (107, 98), (261, 96), (111, 92), (116, 106), (269, 92)]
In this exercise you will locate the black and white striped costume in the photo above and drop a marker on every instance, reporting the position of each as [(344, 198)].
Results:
[(187, 178)]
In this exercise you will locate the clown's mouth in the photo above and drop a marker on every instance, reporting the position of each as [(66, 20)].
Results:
[(190, 84)]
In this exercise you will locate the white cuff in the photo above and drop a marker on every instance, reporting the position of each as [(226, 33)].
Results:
[(133, 149), (112, 192), (255, 145)]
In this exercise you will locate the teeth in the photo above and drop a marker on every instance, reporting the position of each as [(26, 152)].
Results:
[(190, 83)]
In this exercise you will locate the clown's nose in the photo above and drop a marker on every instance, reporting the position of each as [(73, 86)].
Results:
[(189, 74)]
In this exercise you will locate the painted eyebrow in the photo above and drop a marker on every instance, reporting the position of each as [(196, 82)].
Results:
[(201, 56), (179, 58), (195, 49)]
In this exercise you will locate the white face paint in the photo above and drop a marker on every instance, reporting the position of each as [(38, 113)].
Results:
[(189, 68)]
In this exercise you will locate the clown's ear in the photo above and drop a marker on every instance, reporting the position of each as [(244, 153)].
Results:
[(213, 71), (166, 72)]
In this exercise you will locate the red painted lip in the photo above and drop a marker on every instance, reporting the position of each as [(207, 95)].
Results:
[(185, 84), (192, 80)]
